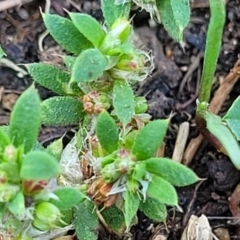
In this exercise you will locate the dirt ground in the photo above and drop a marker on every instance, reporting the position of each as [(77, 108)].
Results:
[(173, 87)]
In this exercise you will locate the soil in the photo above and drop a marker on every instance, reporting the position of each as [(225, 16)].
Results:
[(173, 87)]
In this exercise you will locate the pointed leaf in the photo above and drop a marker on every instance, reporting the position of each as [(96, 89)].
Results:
[(86, 221), (123, 101), (68, 198), (173, 172), (162, 191), (25, 119), (112, 12), (17, 205), (61, 111), (149, 139), (69, 61), (175, 16), (49, 76), (114, 218), (1, 52), (89, 27), (65, 33), (218, 129), (232, 118), (88, 66), (131, 204), (4, 138), (107, 132), (154, 209), (39, 165)]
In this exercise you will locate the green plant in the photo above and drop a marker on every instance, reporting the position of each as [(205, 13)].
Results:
[(222, 133), (110, 164)]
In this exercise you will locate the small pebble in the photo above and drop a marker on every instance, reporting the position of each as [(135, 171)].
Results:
[(23, 14)]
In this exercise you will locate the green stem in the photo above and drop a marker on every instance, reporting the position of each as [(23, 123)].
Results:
[(213, 47)]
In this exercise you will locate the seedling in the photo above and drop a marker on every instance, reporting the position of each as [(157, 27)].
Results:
[(109, 169), (222, 133)]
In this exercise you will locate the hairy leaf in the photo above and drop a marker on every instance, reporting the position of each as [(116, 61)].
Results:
[(89, 27), (149, 139), (65, 33), (123, 101), (86, 221), (25, 119), (61, 111), (68, 198), (49, 76), (114, 218), (39, 165), (107, 132), (154, 209), (131, 204), (173, 172), (89, 66), (162, 191), (232, 117), (17, 205), (112, 12), (175, 16)]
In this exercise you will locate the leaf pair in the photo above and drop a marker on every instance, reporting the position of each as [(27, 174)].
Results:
[(146, 142)]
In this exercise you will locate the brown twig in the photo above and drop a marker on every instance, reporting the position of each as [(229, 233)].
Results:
[(215, 106), (12, 3)]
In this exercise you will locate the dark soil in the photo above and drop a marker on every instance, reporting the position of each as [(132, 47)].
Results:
[(165, 90)]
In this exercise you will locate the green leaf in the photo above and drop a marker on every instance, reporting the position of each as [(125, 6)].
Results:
[(25, 119), (49, 76), (17, 205), (154, 209), (107, 132), (173, 172), (162, 191), (175, 16), (131, 205), (219, 130), (112, 12), (114, 218), (69, 61), (61, 111), (149, 139), (4, 138), (68, 198), (12, 171), (89, 27), (86, 221), (1, 52), (123, 101), (55, 148), (39, 165), (232, 118), (89, 66), (65, 33)]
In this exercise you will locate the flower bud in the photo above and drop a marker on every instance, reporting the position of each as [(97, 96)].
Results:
[(8, 192), (32, 188), (132, 185), (3, 177), (119, 32), (110, 173), (121, 29), (94, 102), (10, 153), (47, 216), (139, 171), (141, 105), (124, 162)]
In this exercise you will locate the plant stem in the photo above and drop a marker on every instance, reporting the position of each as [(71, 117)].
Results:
[(213, 46)]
